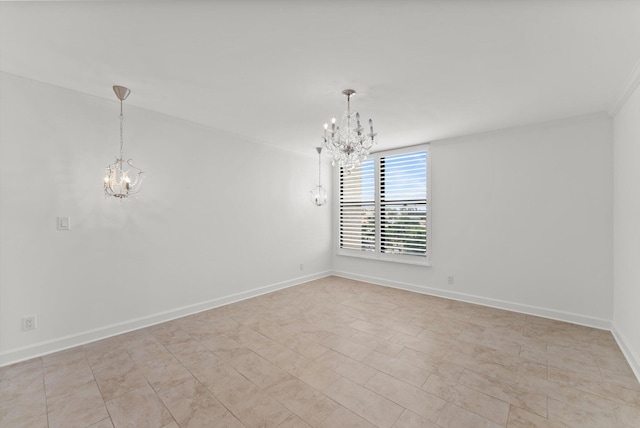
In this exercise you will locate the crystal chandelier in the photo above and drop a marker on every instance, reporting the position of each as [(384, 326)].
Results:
[(318, 194), (122, 178), (347, 145)]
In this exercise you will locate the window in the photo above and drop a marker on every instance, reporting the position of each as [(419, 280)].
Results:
[(384, 207)]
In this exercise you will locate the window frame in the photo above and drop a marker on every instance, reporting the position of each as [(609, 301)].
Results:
[(377, 254)]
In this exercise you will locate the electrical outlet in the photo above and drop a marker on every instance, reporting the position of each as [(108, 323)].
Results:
[(301, 266), (29, 323), (450, 280)]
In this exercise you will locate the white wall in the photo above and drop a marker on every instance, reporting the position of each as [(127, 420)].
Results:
[(219, 218), (626, 229), (522, 219)]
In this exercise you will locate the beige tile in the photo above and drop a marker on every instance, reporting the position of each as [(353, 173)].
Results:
[(607, 390), (244, 399), (64, 357), (105, 423), (170, 334), (342, 417), (410, 420), (512, 394), (307, 347), (114, 381), (373, 329), (259, 410), (100, 359), (309, 404), (565, 393), (220, 344), (628, 416), (453, 416), (510, 360), (446, 323), (140, 408), (381, 345), (79, 406), (426, 405), (347, 347), (18, 370), (190, 352), (615, 364), (66, 374), (255, 368), (365, 403), (487, 340), (434, 349), (497, 371), (193, 405), (294, 421), (520, 418), (396, 368), (403, 327), (24, 420), (441, 367), (469, 399), (221, 379), (24, 410), (348, 367), (314, 374), (580, 417), (574, 373), (624, 380), (26, 385), (164, 373), (277, 354), (146, 347)]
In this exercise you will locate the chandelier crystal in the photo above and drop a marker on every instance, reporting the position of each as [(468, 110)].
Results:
[(318, 194), (122, 178), (348, 145)]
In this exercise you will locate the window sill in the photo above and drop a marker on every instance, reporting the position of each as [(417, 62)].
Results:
[(407, 260)]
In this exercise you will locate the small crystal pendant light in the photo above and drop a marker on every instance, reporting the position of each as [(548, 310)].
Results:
[(318, 194), (122, 179)]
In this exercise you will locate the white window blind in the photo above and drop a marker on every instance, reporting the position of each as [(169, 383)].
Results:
[(357, 207), (403, 204), (384, 207)]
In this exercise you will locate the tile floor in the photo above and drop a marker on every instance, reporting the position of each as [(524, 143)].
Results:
[(333, 353)]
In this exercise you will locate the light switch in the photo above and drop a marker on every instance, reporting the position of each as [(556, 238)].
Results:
[(64, 223)]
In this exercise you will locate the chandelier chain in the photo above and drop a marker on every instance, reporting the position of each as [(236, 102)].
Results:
[(319, 170), (121, 131)]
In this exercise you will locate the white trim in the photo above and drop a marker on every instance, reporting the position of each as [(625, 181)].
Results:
[(588, 321), (630, 85), (632, 358), (47, 347), (393, 258)]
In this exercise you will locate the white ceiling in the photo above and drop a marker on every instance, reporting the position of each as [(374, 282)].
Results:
[(273, 71)]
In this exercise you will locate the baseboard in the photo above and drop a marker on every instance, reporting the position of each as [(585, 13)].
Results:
[(598, 323), (632, 358), (47, 347)]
